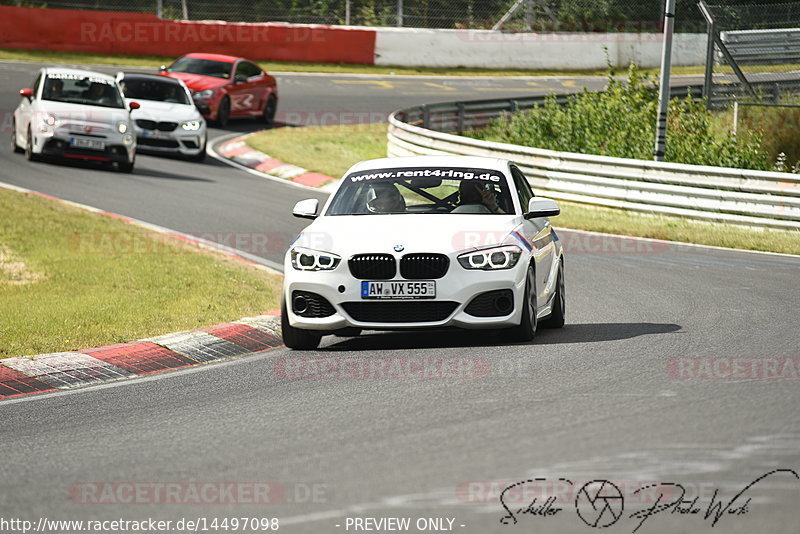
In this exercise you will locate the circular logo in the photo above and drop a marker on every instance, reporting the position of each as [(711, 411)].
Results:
[(599, 503), (399, 248)]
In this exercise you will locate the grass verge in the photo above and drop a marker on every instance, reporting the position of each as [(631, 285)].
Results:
[(333, 149), (45, 56), (330, 150), (71, 279)]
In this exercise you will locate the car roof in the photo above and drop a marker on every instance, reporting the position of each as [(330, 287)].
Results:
[(154, 77), (431, 161), (213, 57), (78, 72)]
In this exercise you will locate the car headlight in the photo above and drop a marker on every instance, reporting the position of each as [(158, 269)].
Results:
[(190, 125), (304, 259), (491, 259), (208, 93), (49, 122), (122, 127)]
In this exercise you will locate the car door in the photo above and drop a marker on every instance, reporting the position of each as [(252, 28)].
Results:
[(539, 235), (244, 92)]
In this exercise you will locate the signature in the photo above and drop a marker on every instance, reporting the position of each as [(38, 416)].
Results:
[(600, 503)]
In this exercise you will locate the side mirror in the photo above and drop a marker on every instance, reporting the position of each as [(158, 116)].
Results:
[(134, 105), (26, 93), (240, 78), (542, 207), (306, 209)]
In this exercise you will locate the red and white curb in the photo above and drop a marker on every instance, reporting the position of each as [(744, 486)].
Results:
[(67, 370), (237, 151)]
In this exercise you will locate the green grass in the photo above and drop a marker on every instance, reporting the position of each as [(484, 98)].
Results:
[(329, 150), (333, 149), (616, 221), (71, 279), (44, 56)]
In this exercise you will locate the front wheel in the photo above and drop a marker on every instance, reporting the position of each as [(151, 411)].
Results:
[(14, 146), (556, 319), (224, 112), (296, 338), (29, 154), (269, 110), (125, 166), (526, 330)]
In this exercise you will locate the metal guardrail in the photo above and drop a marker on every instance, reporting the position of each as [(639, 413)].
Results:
[(752, 198), (763, 47)]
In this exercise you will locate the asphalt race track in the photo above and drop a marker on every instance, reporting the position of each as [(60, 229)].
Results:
[(619, 394)]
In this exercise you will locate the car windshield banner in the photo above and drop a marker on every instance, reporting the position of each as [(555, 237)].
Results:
[(448, 173)]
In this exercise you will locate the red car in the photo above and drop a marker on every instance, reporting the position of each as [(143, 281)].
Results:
[(225, 87)]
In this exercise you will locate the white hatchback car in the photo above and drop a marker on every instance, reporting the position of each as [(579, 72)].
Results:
[(77, 114), (422, 242), (168, 122)]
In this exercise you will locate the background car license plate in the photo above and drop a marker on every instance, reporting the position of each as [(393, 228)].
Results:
[(399, 289), (92, 144)]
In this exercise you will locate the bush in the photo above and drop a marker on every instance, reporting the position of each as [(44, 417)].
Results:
[(621, 122)]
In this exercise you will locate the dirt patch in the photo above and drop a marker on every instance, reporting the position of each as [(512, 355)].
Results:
[(14, 271)]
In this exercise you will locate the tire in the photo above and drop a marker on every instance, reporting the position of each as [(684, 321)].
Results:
[(556, 318), (29, 155), (126, 166), (268, 117), (526, 330), (14, 146), (296, 338), (224, 112)]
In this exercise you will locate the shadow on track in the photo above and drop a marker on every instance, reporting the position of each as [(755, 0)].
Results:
[(571, 333)]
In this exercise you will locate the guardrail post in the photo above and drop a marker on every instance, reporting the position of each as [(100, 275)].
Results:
[(513, 106), (460, 127), (426, 117)]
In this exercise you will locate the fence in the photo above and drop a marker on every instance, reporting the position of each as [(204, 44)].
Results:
[(753, 198), (516, 15)]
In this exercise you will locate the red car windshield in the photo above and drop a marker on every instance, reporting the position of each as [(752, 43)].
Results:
[(204, 67)]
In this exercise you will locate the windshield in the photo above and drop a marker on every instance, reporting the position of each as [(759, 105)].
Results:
[(81, 89), (439, 190), (149, 89), (205, 67)]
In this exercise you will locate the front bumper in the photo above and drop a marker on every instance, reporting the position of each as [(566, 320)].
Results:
[(60, 147), (458, 287), (187, 143)]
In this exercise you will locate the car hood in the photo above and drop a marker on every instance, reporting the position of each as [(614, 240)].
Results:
[(198, 82), (163, 111), (443, 233), (81, 113)]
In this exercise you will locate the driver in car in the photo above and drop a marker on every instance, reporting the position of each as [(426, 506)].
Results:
[(97, 92), (475, 193), (387, 199)]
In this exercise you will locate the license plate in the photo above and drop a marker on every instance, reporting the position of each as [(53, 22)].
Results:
[(91, 144), (398, 289)]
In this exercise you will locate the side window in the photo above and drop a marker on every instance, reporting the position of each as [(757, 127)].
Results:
[(251, 69), (523, 187), (247, 69)]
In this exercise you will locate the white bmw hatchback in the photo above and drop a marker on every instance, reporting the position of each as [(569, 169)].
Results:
[(424, 242), (168, 122), (76, 114)]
